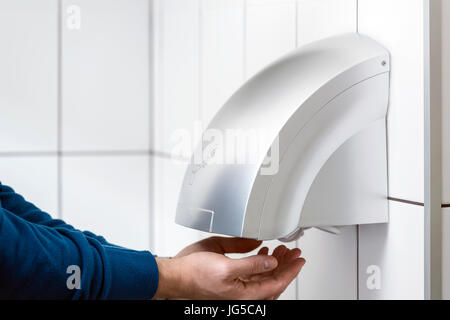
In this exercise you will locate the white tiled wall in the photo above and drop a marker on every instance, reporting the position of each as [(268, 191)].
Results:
[(397, 249), (35, 177), (108, 195), (222, 53), (84, 89), (28, 76), (270, 32), (402, 32), (331, 265), (335, 17), (105, 75), (177, 74)]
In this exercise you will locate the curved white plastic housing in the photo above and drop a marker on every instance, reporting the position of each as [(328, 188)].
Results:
[(323, 107)]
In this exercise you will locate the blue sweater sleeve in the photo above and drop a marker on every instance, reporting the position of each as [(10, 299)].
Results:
[(16, 204), (37, 260)]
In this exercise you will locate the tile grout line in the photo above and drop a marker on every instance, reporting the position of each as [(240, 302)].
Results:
[(28, 154), (87, 153), (357, 16), (414, 203)]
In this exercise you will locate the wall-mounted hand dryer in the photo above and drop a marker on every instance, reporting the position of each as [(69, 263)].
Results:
[(322, 111)]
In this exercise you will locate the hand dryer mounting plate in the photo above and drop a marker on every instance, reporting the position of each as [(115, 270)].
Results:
[(322, 109)]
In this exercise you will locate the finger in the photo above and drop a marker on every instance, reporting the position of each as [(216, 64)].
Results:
[(292, 254), (278, 254), (282, 265), (263, 252), (289, 270), (279, 250), (246, 267), (236, 245), (273, 287)]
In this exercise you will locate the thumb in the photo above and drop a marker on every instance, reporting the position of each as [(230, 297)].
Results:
[(251, 265)]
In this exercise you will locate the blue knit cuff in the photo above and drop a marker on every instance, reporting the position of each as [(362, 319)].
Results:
[(134, 274)]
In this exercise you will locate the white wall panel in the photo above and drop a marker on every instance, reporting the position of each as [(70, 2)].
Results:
[(35, 178), (28, 76), (109, 196), (446, 148), (270, 32), (330, 271), (397, 249), (177, 69), (446, 253), (105, 69), (170, 238), (222, 53), (399, 26), (446, 101), (319, 19)]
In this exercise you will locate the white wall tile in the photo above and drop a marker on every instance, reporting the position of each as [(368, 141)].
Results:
[(170, 238), (106, 75), (28, 77), (222, 43), (330, 271), (399, 26), (177, 69), (446, 253), (446, 101), (109, 196), (35, 178), (270, 32), (319, 19), (397, 248)]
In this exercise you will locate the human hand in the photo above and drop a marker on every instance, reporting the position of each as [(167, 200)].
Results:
[(201, 271), (283, 256)]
